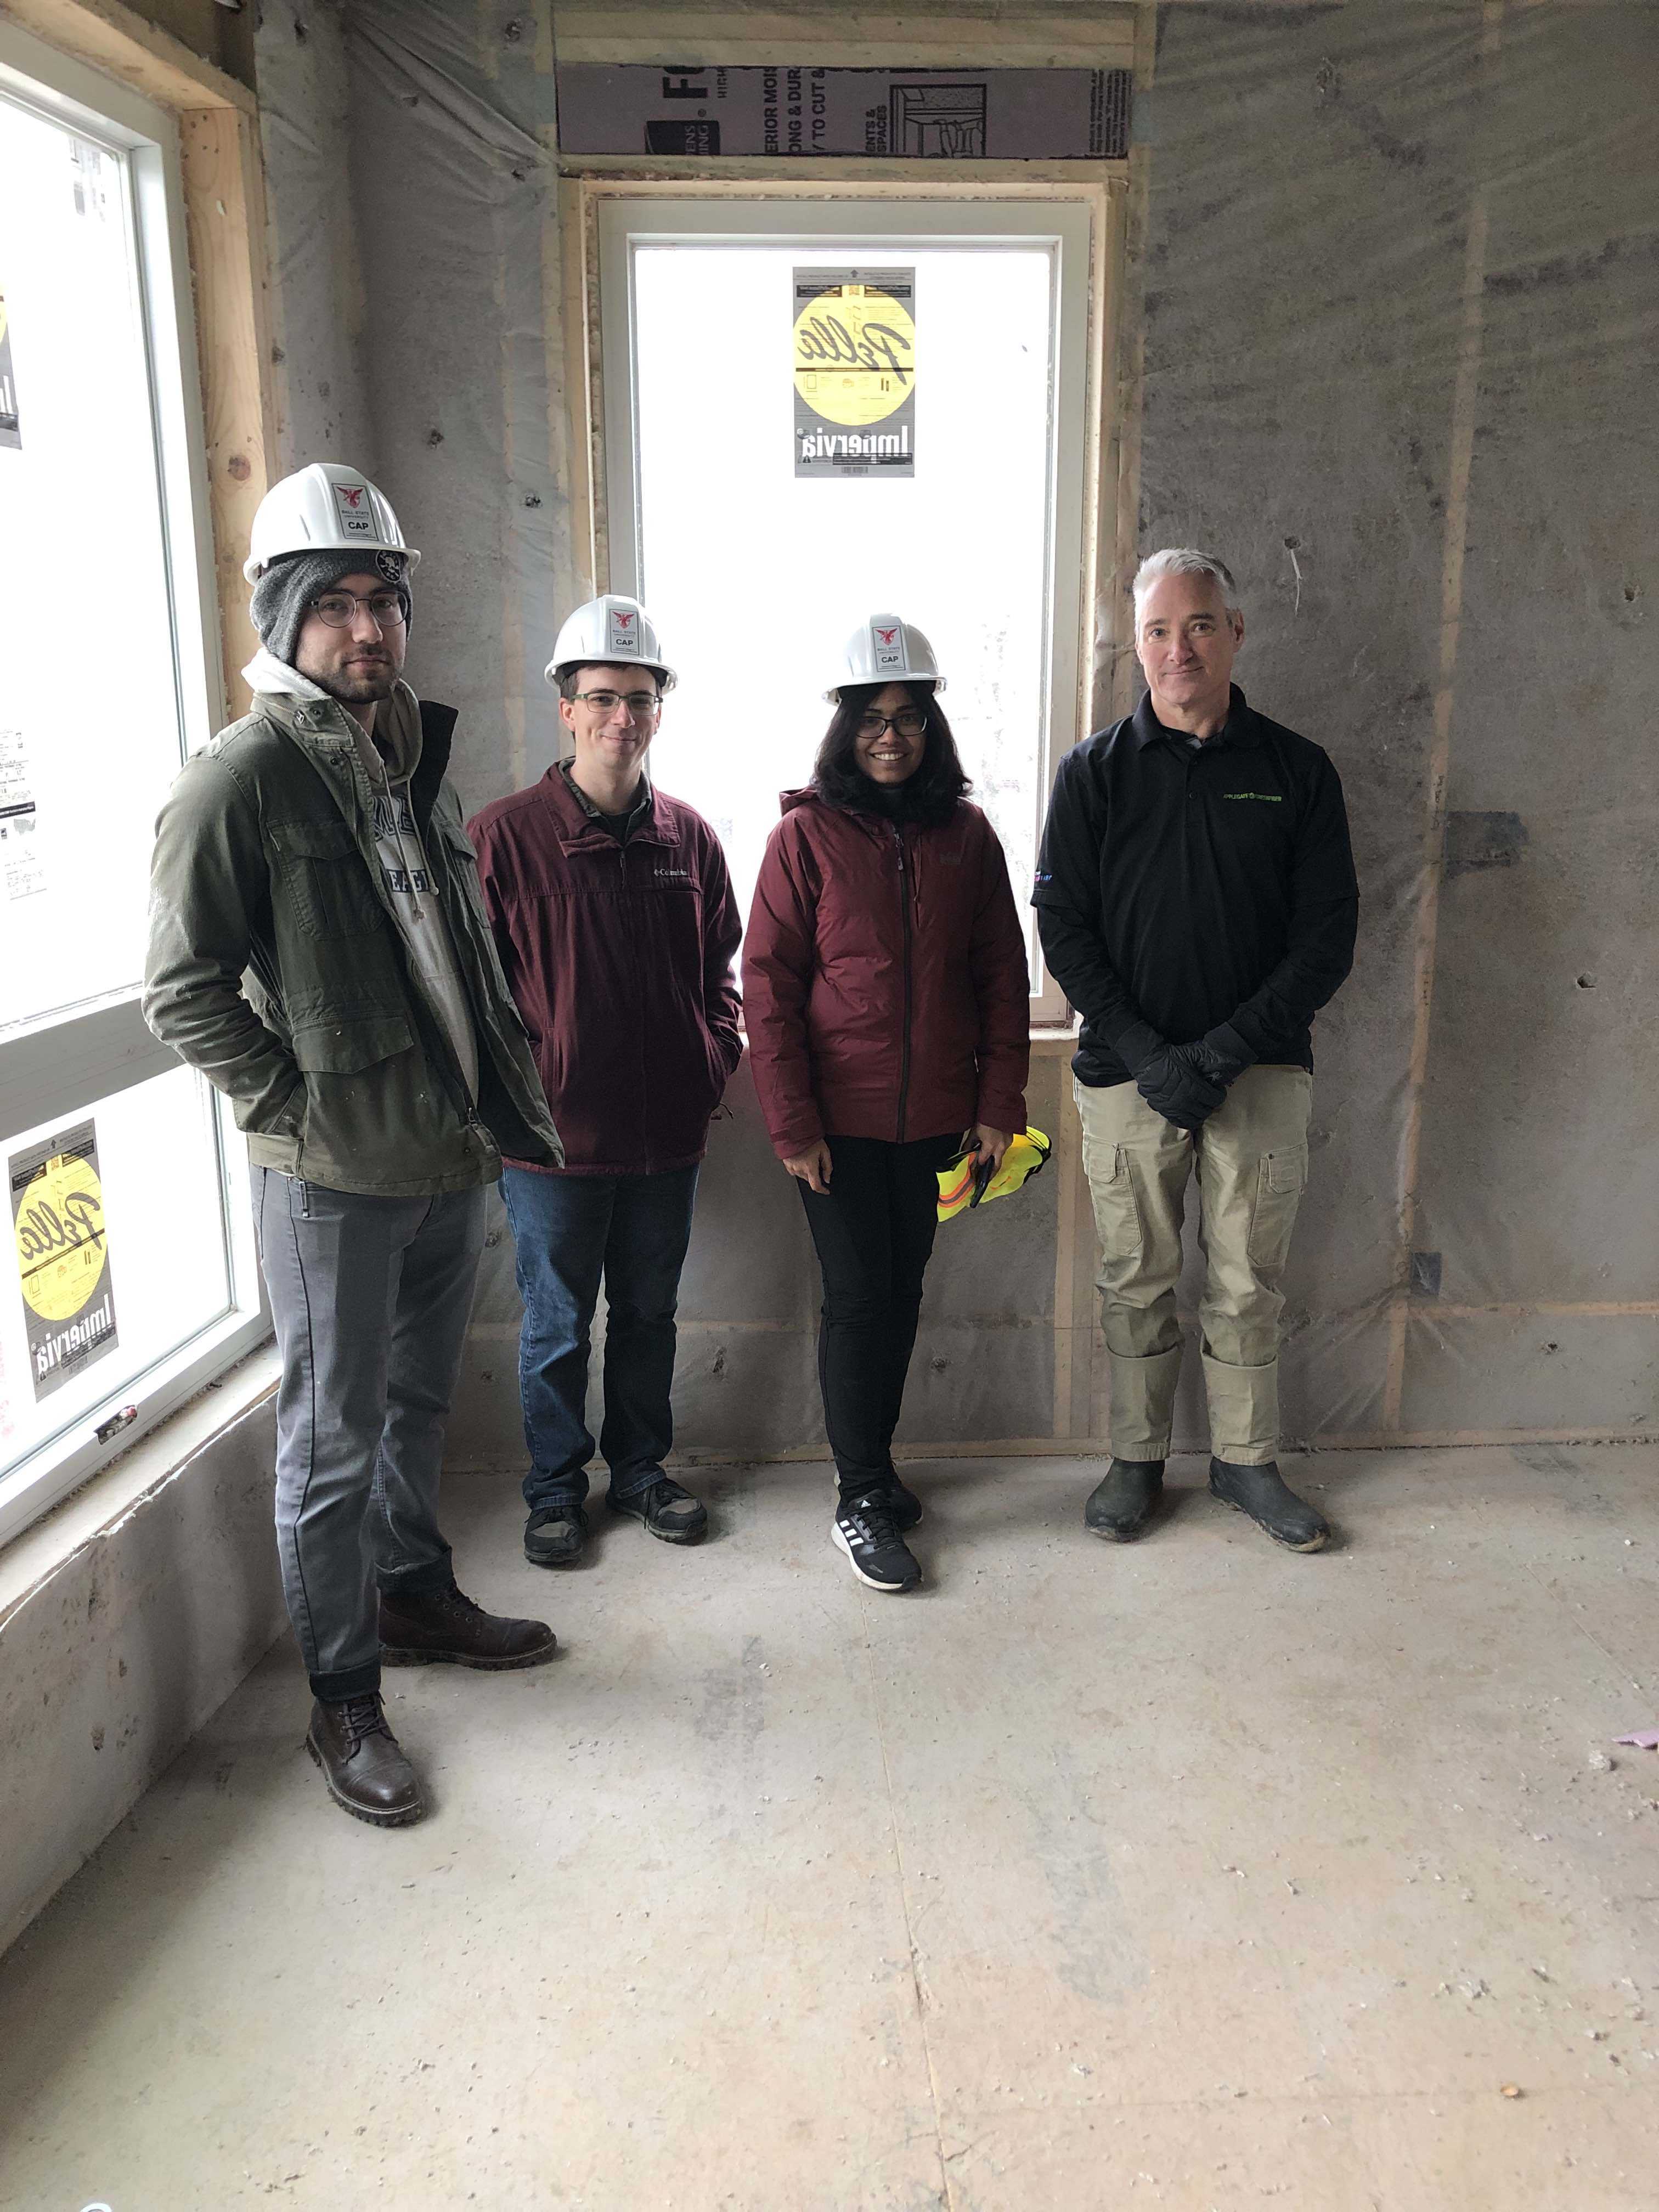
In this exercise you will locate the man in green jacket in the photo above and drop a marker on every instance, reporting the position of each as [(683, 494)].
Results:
[(318, 949)]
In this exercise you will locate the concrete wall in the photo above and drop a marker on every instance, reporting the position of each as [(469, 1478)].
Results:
[(1391, 297), (126, 1618)]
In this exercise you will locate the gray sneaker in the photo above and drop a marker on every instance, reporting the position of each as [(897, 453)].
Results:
[(667, 1511), (556, 1535)]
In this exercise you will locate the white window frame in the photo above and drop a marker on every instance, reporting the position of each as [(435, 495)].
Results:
[(1073, 225), (51, 1070)]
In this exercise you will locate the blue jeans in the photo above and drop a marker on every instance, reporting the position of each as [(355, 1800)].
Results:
[(568, 1230)]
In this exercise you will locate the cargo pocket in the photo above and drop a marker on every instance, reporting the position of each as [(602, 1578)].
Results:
[(1119, 1221), (1281, 1176), (326, 880)]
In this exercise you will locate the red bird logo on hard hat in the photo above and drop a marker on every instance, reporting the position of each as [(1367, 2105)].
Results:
[(623, 620), (352, 494), (887, 635)]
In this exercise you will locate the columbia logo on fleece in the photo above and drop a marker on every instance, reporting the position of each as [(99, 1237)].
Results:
[(669, 875)]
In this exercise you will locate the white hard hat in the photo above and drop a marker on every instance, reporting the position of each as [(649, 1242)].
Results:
[(886, 649), (325, 508), (612, 630)]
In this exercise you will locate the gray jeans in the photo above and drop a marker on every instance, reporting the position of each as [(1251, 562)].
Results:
[(370, 1297)]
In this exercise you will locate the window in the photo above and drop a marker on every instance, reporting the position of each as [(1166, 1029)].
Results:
[(131, 1276), (756, 568)]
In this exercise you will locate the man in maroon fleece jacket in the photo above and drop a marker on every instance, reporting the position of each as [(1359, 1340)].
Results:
[(613, 914)]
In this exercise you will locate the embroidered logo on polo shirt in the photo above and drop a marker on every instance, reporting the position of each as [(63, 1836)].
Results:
[(1268, 797)]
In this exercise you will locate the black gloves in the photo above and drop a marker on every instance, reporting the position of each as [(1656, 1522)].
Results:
[(1173, 1085), (1221, 1053), (1184, 1083)]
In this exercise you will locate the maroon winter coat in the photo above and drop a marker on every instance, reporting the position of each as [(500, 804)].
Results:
[(619, 960), (886, 988)]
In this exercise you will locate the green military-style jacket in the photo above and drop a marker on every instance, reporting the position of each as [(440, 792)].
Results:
[(276, 967)]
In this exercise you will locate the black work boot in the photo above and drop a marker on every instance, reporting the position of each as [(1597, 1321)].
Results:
[(1263, 1493), (554, 1536), (442, 1628), (362, 1762), (1121, 1503), (667, 1510)]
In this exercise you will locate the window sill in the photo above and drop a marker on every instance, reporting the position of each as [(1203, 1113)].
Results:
[(107, 1497)]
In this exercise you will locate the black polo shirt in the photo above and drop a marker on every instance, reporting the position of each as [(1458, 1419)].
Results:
[(1181, 886)]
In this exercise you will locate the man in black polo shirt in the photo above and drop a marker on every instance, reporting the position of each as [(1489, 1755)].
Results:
[(1196, 899)]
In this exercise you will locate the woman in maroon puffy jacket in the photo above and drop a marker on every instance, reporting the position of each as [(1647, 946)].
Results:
[(886, 1001)]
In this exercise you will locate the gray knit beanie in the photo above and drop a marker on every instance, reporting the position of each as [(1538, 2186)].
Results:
[(282, 596)]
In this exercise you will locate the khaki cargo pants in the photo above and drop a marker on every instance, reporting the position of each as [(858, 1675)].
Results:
[(1251, 1161)]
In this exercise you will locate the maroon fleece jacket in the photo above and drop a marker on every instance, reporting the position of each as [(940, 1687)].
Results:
[(619, 960), (885, 987)]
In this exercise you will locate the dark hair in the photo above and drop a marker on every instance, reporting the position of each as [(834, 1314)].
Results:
[(571, 676), (929, 795)]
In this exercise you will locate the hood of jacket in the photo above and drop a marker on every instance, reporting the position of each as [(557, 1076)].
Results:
[(397, 723)]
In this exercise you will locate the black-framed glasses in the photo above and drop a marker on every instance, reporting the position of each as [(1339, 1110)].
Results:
[(339, 609), (640, 704), (910, 722)]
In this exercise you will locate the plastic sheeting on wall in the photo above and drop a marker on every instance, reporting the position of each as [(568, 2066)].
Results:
[(1396, 277)]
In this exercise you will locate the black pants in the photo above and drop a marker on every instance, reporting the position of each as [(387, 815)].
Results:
[(874, 1234)]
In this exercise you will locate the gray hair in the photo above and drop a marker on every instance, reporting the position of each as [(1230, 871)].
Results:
[(1186, 561)]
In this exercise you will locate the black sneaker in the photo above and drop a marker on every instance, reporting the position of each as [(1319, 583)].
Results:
[(1264, 1494), (667, 1511), (554, 1536), (866, 1529), (1121, 1503), (903, 1504)]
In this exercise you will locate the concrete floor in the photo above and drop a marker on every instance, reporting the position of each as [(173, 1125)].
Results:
[(1195, 1873)]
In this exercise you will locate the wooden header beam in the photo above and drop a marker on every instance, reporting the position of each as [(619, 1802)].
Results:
[(119, 40)]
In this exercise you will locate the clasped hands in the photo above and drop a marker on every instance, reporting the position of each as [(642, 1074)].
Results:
[(1185, 1083)]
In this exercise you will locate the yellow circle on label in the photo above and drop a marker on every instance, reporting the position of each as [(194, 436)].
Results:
[(61, 1240), (855, 354)]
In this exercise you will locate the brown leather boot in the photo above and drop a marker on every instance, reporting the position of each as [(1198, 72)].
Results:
[(363, 1764), (442, 1628)]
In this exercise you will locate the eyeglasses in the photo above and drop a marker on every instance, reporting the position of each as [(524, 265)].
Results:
[(910, 722), (339, 609), (641, 705)]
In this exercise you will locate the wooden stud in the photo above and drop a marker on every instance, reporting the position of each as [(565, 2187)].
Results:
[(224, 206)]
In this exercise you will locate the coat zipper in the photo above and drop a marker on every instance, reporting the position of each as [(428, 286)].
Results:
[(639, 983), (904, 1046)]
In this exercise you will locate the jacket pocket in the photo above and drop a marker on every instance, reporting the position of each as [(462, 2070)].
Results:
[(326, 880), (343, 1048), (376, 1111)]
